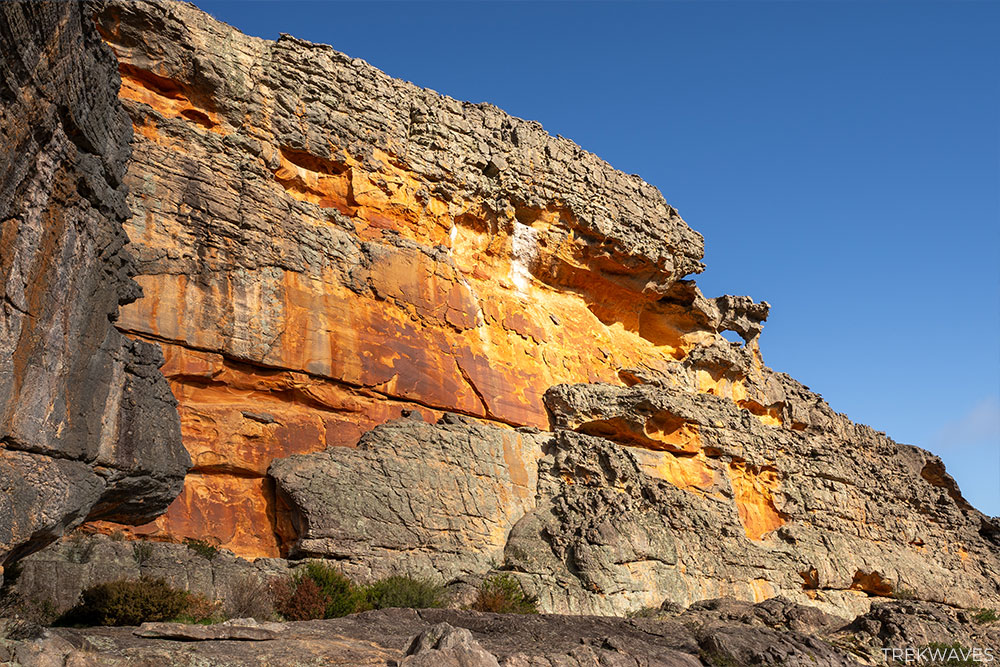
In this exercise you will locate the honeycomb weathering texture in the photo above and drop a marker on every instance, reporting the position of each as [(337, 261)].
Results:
[(330, 252), (323, 249)]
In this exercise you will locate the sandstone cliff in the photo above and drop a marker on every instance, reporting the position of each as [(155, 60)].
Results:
[(324, 249), (88, 427)]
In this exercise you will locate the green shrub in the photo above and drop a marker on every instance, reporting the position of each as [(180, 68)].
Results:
[(317, 591), (202, 548), (127, 602), (200, 610), (986, 616), (502, 594), (343, 597), (904, 594), (404, 592), (142, 551)]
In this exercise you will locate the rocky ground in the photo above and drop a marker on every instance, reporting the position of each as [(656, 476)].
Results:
[(722, 633)]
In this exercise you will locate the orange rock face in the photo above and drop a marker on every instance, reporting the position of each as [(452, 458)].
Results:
[(314, 263)]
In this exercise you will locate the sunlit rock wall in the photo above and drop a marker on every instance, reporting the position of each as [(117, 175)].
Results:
[(324, 249), (321, 247)]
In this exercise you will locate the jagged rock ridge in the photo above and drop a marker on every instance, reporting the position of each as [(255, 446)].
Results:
[(88, 427)]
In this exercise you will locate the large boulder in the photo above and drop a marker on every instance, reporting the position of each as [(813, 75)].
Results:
[(413, 497)]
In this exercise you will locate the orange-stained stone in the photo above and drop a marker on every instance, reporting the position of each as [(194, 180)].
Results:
[(762, 589), (481, 318), (660, 431), (691, 473), (166, 96), (222, 509), (871, 583), (753, 491)]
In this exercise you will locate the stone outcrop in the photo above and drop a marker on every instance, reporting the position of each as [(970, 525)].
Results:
[(53, 578), (324, 249), (433, 500), (656, 495), (718, 633), (88, 427)]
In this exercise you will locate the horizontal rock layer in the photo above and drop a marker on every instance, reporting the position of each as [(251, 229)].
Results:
[(88, 427)]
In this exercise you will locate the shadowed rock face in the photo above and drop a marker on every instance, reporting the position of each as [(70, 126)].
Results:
[(88, 426)]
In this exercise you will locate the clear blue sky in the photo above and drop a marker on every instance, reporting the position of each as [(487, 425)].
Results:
[(842, 160)]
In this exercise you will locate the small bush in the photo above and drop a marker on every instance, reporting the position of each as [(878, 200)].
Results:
[(21, 618), (80, 548), (985, 616), (503, 595), (317, 591), (299, 600), (202, 548), (249, 597), (405, 592), (200, 610), (904, 594), (343, 597), (142, 552), (127, 602)]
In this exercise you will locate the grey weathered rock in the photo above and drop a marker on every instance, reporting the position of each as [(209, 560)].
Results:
[(655, 495), (815, 523), (445, 646), (55, 576), (717, 633), (413, 497), (88, 426), (228, 631)]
